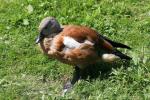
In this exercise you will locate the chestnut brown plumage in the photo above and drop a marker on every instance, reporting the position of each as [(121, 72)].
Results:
[(79, 46)]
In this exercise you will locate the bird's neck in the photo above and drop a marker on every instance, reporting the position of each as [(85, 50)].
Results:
[(55, 32)]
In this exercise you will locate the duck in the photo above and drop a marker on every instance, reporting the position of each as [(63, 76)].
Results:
[(76, 45)]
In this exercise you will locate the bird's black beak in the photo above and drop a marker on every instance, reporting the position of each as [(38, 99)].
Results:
[(39, 38)]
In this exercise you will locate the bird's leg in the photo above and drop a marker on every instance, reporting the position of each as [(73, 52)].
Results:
[(83, 73), (76, 77)]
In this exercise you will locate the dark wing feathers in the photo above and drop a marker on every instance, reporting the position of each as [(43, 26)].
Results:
[(115, 44)]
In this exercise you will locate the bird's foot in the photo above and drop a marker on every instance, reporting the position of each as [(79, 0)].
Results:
[(66, 87)]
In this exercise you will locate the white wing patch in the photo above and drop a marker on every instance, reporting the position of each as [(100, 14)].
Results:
[(72, 43)]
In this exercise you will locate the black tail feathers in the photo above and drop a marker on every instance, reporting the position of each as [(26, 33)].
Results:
[(121, 55)]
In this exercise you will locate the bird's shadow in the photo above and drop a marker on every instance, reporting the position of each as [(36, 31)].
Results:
[(103, 70)]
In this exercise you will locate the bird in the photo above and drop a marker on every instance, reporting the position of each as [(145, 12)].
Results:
[(76, 45)]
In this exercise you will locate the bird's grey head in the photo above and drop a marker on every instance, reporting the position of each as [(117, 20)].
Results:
[(48, 27)]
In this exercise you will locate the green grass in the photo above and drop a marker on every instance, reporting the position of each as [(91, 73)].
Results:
[(22, 65)]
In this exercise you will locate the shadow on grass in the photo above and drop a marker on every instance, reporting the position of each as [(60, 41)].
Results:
[(102, 70)]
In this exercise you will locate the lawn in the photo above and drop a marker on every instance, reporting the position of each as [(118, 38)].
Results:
[(26, 74)]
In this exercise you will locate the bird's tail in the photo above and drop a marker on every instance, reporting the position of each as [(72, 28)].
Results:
[(116, 55), (121, 55)]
